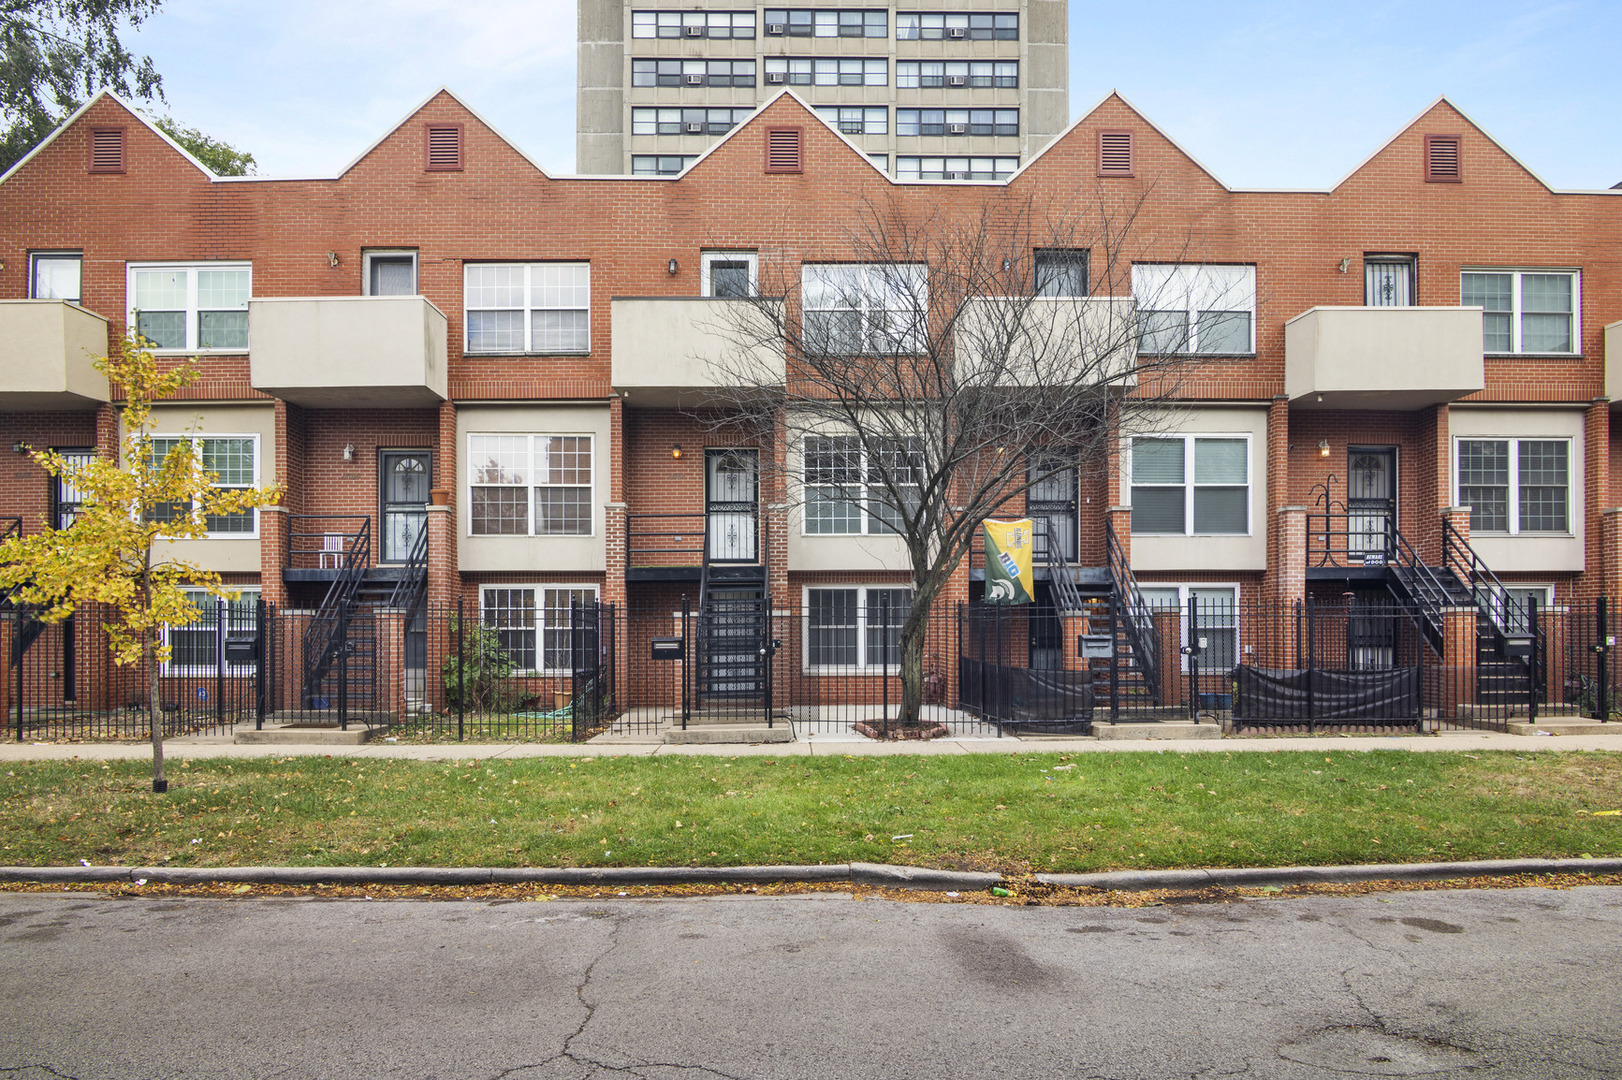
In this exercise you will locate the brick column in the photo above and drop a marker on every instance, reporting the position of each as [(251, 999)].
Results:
[(1597, 478), (1120, 519), (390, 628), (1288, 581), (273, 554), (1278, 491), (1458, 660), (1436, 481), (1459, 518)]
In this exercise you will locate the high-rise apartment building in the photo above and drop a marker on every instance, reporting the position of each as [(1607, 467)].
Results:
[(957, 89)]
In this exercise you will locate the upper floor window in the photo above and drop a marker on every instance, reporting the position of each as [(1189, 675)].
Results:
[(692, 24), (956, 74), (800, 22), (191, 306), (809, 71), (234, 462), (660, 164), (391, 273), (1523, 311), (957, 121), (1189, 485), (692, 73), (847, 487), (1388, 280), (729, 273), (1515, 485), (54, 275), (855, 308), (1195, 308), (950, 25), (856, 119), (954, 168), (529, 485), (1061, 271), (686, 121), (527, 307)]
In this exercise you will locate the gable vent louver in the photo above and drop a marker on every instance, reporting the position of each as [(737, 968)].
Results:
[(1442, 159), (444, 144), (783, 150), (1114, 153), (107, 150)]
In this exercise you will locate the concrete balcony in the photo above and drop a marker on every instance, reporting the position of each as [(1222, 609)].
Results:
[(46, 348), (1613, 364), (1048, 341), (671, 351), (1382, 357), (369, 352)]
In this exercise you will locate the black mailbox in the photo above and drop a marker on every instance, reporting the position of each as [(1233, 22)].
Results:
[(241, 651), (667, 648), (1516, 648)]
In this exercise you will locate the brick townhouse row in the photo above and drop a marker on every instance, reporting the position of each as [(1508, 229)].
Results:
[(482, 369)]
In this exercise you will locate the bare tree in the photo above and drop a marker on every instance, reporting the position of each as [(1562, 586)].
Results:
[(950, 364)]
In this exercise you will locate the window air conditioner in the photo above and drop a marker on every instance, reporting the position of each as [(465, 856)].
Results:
[(774, 76), (957, 80), (695, 80), (775, 29), (695, 129), (957, 129), (956, 176), (957, 31), (693, 31)]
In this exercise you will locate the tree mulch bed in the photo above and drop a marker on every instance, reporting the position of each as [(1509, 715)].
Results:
[(877, 729)]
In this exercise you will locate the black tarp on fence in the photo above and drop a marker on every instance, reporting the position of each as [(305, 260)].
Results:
[(1320, 694), (1023, 698)]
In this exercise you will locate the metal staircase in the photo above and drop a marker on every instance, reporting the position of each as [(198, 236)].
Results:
[(1133, 665), (733, 635), (28, 628)]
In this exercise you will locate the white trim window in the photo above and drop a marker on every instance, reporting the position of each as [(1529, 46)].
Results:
[(515, 308), (693, 24), (853, 628), (55, 275), (530, 485), (855, 309), (1524, 311), (234, 461), (389, 272), (856, 119), (533, 623), (1193, 308), (191, 307), (1509, 605), (930, 167), (729, 273), (1217, 607), (1514, 485), (844, 486), (1191, 485), (197, 647)]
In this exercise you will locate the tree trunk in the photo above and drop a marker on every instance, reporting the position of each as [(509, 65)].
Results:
[(154, 706), (913, 632)]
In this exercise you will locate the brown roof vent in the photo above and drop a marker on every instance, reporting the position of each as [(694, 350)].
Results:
[(443, 143), (1442, 160), (783, 150), (107, 150), (1114, 153)]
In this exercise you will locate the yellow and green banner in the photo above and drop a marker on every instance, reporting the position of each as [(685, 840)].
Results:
[(1008, 562)]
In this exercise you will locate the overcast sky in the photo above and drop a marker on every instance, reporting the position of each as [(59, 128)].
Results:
[(1268, 93)]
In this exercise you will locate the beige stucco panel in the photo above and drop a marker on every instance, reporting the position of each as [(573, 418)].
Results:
[(384, 343), (1613, 362), (585, 554), (46, 352), (1432, 354), (1191, 553), (1050, 341), (693, 343), (1537, 552), (224, 554)]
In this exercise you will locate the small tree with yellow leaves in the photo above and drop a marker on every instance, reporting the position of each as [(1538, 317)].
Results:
[(112, 553)]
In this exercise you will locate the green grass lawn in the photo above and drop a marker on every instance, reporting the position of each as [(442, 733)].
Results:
[(1033, 812)]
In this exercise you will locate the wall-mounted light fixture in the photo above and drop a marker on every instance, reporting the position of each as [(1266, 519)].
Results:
[(1007, 265), (675, 451), (349, 451), (672, 266), (332, 259), (1344, 263), (1323, 448), (19, 447)]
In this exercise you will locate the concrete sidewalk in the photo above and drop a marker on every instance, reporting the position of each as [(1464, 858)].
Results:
[(199, 747)]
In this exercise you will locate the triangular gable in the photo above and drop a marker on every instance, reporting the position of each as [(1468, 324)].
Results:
[(1088, 118), (447, 93), (1441, 103), (134, 114)]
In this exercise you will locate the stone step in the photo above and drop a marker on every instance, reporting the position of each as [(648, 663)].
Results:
[(308, 734), (731, 733), (1164, 729)]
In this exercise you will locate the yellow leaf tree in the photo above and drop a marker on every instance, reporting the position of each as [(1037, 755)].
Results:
[(114, 552)]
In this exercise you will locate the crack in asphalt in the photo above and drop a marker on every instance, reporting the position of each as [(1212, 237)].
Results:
[(17, 1070)]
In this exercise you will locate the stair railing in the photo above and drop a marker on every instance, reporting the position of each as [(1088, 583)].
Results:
[(1492, 600), (1427, 589), (327, 635), (12, 529), (1134, 614), (413, 584), (1062, 581)]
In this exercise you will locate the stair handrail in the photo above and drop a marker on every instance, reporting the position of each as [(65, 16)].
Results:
[(413, 584), (1491, 597), (328, 631), (1424, 584), (1066, 591), (13, 529), (1134, 612)]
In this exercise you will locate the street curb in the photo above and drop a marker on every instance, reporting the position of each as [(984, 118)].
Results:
[(859, 873), (1254, 876)]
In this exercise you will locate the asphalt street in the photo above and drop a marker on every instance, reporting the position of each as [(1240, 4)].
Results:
[(1513, 983)]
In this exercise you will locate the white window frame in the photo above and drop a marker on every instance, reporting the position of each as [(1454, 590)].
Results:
[(192, 310), (1499, 610), (36, 257), (1513, 501), (869, 509), (528, 309), (529, 483), (388, 253), (874, 293), (1195, 289), (749, 257), (198, 439), (1184, 589), (1517, 312), (540, 628), (248, 593), (1189, 438), (865, 664)]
